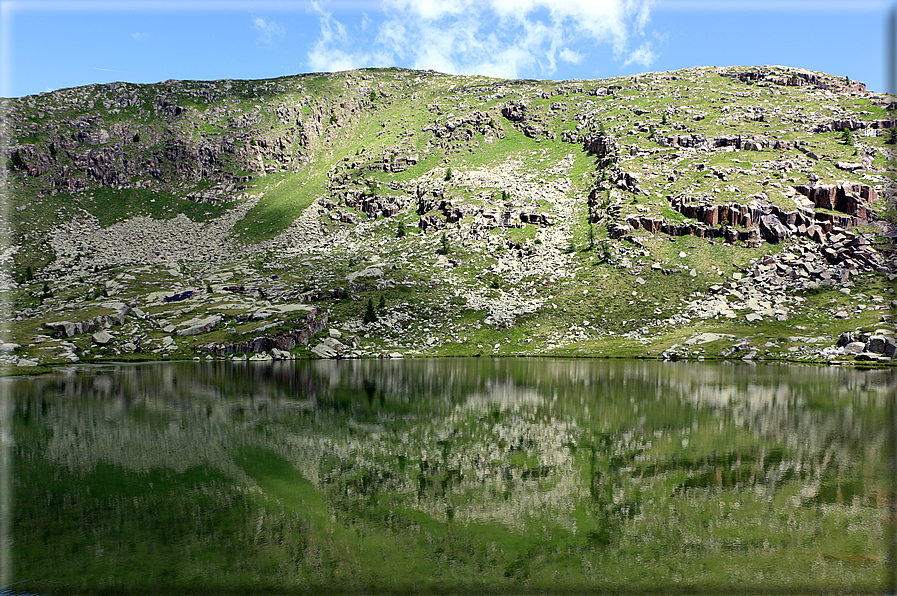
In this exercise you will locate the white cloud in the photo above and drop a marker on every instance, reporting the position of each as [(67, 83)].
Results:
[(568, 55), (643, 55), (139, 36), (503, 38), (268, 30)]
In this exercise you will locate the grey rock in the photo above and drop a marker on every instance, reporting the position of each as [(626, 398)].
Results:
[(324, 351), (102, 337), (66, 327), (876, 344), (890, 347), (201, 326), (855, 347)]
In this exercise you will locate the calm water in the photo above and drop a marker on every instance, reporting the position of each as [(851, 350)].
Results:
[(467, 476)]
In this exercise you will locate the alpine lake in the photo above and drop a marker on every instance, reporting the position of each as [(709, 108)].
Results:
[(449, 476)]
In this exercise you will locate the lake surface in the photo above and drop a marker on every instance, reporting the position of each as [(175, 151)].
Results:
[(449, 476)]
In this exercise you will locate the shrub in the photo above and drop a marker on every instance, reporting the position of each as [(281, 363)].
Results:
[(53, 151), (373, 95), (448, 174), (136, 138), (16, 159)]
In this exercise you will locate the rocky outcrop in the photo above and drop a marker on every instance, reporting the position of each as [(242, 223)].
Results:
[(464, 127), (515, 111), (316, 321), (660, 225), (794, 77), (184, 145), (850, 198), (854, 124), (602, 146), (526, 121), (69, 329), (700, 142), (203, 325)]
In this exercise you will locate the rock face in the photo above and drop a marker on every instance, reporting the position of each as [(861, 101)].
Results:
[(852, 199)]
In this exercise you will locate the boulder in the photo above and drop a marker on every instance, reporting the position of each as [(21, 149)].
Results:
[(102, 337), (772, 229), (324, 351), (876, 344), (855, 347), (890, 348)]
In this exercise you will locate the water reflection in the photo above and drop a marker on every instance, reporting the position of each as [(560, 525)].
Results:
[(476, 473)]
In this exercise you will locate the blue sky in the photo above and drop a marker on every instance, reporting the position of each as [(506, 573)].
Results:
[(47, 45)]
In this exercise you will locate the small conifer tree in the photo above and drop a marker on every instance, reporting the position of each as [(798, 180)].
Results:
[(382, 303), (847, 137), (443, 245), (400, 231), (370, 315)]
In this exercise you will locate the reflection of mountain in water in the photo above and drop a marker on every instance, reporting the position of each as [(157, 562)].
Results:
[(502, 440)]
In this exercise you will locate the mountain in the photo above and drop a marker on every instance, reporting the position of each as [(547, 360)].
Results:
[(739, 212)]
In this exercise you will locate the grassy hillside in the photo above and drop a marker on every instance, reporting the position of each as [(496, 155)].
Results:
[(625, 217)]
